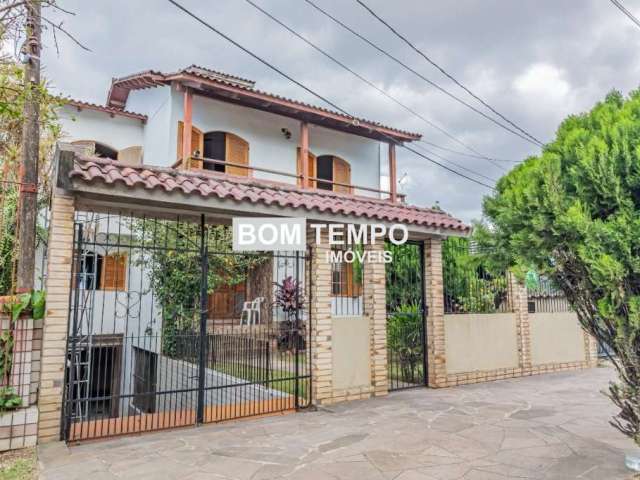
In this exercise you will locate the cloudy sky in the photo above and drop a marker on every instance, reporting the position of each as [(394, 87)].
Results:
[(535, 61)]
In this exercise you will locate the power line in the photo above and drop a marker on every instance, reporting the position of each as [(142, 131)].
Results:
[(444, 159), (371, 84), (626, 12), (532, 139), (407, 67), (356, 74), (307, 89), (457, 152)]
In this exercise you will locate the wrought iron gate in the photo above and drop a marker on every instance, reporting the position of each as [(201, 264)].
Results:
[(168, 327), (406, 317)]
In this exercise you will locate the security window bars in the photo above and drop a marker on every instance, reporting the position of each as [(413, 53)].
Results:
[(347, 275)]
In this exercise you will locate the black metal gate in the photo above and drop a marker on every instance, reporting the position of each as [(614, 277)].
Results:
[(169, 327), (406, 317)]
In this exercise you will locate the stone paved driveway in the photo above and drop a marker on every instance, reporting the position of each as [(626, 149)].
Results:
[(545, 427)]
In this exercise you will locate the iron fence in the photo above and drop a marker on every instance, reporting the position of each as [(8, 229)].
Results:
[(471, 283), (170, 327), (405, 306)]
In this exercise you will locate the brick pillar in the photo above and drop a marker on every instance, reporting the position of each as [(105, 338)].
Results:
[(321, 323), (376, 311), (590, 350), (55, 328), (520, 305), (434, 294)]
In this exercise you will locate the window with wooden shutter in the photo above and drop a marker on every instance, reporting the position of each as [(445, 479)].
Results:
[(114, 272), (341, 176), (236, 151), (345, 281), (197, 143), (312, 168)]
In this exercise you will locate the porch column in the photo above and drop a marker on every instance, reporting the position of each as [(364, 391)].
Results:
[(321, 322), (54, 340), (375, 309), (434, 285), (304, 153), (187, 121), (393, 178), (519, 304)]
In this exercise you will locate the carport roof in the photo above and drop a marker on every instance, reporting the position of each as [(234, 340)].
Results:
[(243, 190)]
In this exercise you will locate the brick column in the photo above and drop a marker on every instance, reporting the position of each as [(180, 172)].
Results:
[(434, 295), (55, 329), (520, 305), (375, 309), (321, 324), (590, 350)]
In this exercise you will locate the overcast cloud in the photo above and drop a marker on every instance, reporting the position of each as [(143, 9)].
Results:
[(536, 61)]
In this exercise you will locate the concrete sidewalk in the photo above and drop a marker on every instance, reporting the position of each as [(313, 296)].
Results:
[(545, 427)]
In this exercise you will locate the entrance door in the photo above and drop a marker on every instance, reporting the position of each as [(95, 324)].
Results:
[(406, 317)]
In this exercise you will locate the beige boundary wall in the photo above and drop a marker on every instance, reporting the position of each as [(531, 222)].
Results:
[(477, 348), (348, 353)]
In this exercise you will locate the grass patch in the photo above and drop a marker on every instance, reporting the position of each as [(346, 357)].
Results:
[(280, 380), (18, 465)]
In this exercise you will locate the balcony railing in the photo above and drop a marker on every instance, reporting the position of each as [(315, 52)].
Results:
[(198, 163)]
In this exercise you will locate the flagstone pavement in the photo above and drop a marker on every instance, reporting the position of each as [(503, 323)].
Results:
[(551, 426)]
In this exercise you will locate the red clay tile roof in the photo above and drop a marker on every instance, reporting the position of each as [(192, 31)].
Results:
[(242, 189), (120, 88), (101, 108)]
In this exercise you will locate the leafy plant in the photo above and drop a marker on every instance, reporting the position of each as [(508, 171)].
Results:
[(403, 276), (404, 340), (472, 282), (172, 258), (573, 215), (38, 302), (290, 299), (9, 399), (6, 354)]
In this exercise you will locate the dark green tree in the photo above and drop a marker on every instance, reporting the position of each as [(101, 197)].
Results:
[(573, 214)]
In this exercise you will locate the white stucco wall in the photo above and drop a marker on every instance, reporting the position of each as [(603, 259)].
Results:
[(117, 132), (268, 147), (157, 104)]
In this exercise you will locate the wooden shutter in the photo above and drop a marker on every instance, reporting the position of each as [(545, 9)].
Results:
[(197, 143), (131, 155), (236, 151), (114, 273), (341, 174), (311, 158)]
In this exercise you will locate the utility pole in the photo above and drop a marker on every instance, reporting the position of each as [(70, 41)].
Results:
[(30, 150)]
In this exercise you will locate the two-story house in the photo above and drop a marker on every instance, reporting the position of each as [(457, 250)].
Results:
[(198, 145)]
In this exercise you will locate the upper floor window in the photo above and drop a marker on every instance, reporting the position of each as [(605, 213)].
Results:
[(216, 145), (335, 170), (228, 147)]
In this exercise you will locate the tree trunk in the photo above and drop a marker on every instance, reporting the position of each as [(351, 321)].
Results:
[(28, 207)]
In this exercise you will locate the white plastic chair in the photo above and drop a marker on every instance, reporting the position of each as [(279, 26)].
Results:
[(251, 312)]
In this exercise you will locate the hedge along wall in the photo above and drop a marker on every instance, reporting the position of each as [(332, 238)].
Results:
[(495, 329)]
